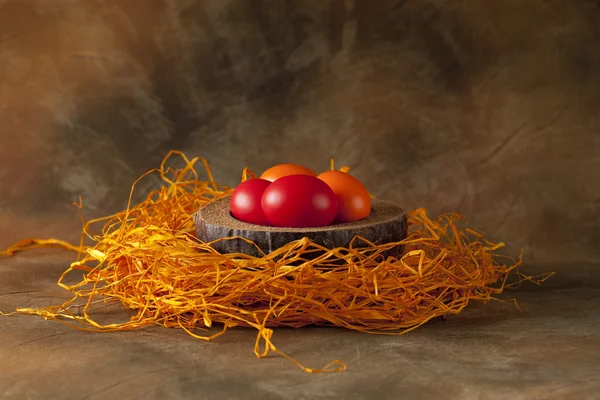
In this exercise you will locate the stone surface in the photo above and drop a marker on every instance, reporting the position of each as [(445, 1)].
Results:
[(489, 108), (550, 350)]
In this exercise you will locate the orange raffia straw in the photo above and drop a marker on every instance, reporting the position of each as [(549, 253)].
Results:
[(29, 244), (148, 259)]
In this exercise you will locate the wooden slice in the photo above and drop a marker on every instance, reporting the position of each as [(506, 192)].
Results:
[(387, 223)]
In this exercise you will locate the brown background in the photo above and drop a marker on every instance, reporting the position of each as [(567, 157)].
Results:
[(489, 108)]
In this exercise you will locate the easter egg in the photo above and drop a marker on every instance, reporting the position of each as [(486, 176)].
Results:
[(281, 170), (354, 202), (299, 201), (245, 202)]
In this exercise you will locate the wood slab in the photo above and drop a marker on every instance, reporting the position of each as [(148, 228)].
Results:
[(387, 223)]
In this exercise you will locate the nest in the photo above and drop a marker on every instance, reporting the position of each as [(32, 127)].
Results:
[(148, 259)]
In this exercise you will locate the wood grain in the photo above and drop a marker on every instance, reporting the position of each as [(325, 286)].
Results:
[(387, 223)]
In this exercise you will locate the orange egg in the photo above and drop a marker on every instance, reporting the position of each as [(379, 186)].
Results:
[(281, 170), (354, 202)]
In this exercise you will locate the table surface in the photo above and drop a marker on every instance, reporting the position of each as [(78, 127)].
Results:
[(550, 350)]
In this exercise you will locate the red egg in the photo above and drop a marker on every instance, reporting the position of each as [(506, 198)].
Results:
[(299, 201), (245, 202)]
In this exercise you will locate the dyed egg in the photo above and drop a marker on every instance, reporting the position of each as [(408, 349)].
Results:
[(245, 202), (354, 202), (299, 201), (281, 170)]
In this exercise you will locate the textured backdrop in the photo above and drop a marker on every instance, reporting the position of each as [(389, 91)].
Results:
[(489, 108)]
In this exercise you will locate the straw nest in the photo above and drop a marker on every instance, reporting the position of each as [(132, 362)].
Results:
[(148, 259)]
